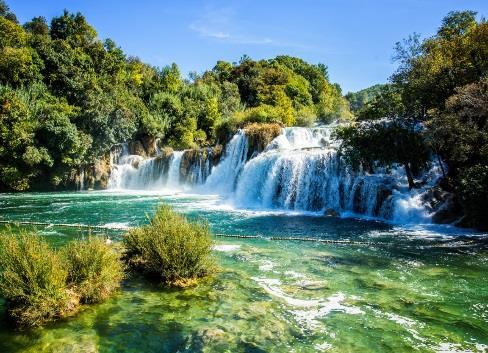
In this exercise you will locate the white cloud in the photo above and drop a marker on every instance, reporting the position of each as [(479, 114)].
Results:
[(222, 25)]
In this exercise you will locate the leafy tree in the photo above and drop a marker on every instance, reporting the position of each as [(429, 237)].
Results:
[(386, 104), (438, 100), (358, 100), (72, 28), (384, 143), (37, 26), (6, 13)]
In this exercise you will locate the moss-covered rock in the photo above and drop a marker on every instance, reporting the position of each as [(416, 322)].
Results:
[(196, 164), (259, 136)]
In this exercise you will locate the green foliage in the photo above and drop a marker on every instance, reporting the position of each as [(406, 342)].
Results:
[(474, 196), (459, 134), (387, 103), (33, 280), (11, 34), (5, 12), (94, 269), (385, 143), (170, 248), (37, 26), (357, 100)]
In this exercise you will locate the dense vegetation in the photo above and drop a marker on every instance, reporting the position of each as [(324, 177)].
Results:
[(170, 248), (66, 97), (435, 105), (41, 284)]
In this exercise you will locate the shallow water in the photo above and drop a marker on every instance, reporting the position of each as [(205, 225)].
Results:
[(402, 289)]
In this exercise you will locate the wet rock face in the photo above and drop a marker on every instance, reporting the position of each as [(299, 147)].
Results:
[(189, 161), (145, 146), (383, 193), (196, 164), (137, 148), (162, 162), (96, 175), (445, 208), (149, 144)]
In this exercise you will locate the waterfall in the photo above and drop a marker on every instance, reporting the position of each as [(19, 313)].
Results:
[(224, 176), (81, 183), (174, 170), (299, 170)]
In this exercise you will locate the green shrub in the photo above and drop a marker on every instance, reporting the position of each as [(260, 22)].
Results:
[(33, 280), (94, 269), (171, 248)]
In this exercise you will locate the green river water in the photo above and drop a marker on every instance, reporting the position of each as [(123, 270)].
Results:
[(402, 289)]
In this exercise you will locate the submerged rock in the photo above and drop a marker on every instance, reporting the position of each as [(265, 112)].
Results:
[(330, 212)]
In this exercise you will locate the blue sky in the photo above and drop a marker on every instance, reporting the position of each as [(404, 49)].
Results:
[(354, 38)]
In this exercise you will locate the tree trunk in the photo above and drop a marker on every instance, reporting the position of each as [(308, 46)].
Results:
[(408, 171)]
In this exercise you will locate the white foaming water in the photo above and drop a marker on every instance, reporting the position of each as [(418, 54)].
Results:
[(301, 137), (81, 184), (224, 176), (136, 173), (300, 170), (174, 169)]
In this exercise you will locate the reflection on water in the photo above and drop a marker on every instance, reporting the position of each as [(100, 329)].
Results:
[(404, 289)]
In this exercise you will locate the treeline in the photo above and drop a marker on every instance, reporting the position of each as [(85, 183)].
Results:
[(434, 107), (66, 97)]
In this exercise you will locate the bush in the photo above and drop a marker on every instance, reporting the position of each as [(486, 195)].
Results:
[(33, 280), (170, 248), (94, 269)]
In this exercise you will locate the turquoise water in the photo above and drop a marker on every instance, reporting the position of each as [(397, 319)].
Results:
[(402, 289)]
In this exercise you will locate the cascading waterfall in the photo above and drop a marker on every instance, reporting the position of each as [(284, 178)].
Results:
[(299, 170), (174, 170), (81, 182), (224, 176)]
